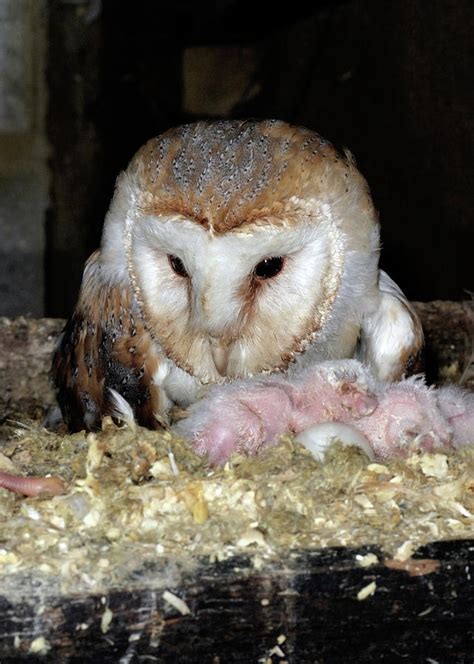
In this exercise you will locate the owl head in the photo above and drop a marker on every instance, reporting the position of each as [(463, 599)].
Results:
[(243, 242)]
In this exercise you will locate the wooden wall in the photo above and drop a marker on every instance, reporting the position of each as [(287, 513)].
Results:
[(392, 81)]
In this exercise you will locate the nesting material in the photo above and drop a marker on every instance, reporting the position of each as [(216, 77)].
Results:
[(136, 497)]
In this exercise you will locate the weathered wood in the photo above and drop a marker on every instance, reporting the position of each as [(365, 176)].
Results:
[(449, 339), (237, 614), (79, 188), (26, 347)]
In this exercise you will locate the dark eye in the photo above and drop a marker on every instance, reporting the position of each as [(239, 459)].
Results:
[(269, 267), (177, 265)]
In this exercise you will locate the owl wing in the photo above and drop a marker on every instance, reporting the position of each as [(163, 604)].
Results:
[(105, 346), (391, 336)]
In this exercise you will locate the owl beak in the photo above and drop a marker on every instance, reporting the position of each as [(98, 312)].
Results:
[(220, 354)]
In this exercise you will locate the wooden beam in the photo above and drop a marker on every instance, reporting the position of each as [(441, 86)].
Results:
[(307, 607)]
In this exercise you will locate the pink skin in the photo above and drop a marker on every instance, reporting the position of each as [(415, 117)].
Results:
[(244, 415), (248, 415), (408, 413), (457, 406), (32, 486)]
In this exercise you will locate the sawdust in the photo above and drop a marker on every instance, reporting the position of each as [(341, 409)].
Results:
[(136, 497)]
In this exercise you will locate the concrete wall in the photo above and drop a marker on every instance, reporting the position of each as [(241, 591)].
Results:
[(23, 156)]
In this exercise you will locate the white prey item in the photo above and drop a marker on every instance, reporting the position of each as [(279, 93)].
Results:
[(318, 438)]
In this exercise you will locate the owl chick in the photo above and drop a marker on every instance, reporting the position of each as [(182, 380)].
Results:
[(231, 249), (338, 399)]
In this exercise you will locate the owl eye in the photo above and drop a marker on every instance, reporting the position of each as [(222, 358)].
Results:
[(269, 267), (177, 266)]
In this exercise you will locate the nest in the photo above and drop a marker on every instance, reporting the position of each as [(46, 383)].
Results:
[(136, 497)]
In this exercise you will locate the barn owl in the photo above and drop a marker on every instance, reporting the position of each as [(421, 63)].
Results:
[(231, 250)]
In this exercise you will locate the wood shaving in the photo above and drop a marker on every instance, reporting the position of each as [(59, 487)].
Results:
[(405, 551), (138, 500), (106, 620), (367, 591), (414, 567), (368, 560), (276, 650), (177, 603), (435, 465), (40, 646)]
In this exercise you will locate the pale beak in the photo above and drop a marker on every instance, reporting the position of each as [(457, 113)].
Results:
[(220, 354)]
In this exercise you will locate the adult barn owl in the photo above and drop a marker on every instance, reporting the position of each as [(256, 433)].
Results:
[(230, 249)]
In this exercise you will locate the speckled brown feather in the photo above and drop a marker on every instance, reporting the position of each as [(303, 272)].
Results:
[(231, 173), (104, 345)]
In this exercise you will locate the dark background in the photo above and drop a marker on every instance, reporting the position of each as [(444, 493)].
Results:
[(392, 81)]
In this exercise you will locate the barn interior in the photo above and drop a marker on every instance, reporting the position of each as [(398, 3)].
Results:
[(279, 559)]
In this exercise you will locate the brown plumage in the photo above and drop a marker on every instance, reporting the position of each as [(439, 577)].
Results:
[(225, 175), (104, 346)]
